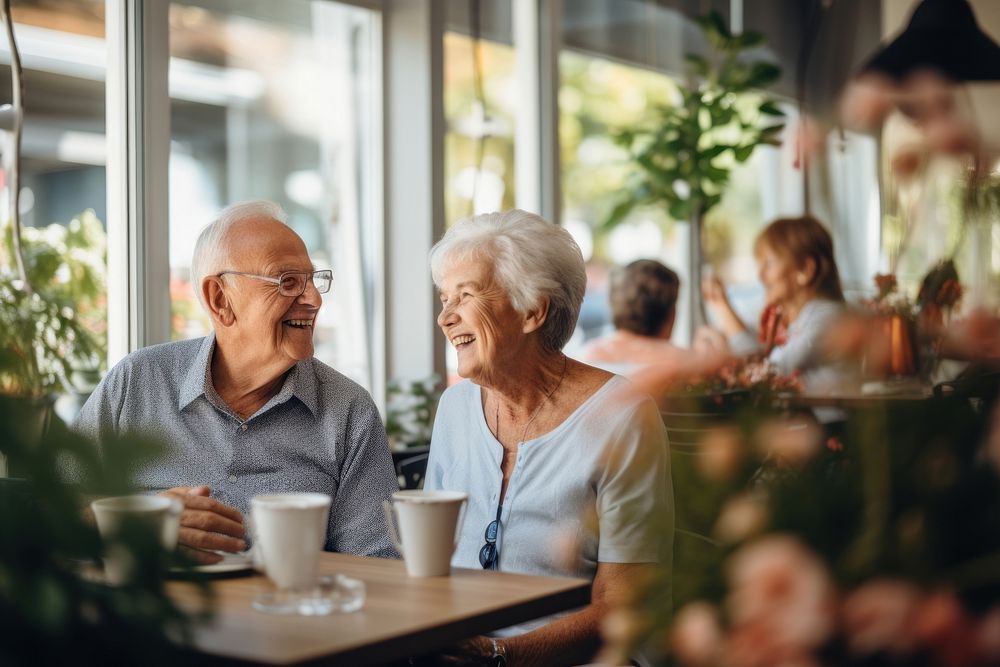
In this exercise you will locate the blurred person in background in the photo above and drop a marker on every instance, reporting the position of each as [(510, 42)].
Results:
[(643, 300), (566, 467), (804, 300)]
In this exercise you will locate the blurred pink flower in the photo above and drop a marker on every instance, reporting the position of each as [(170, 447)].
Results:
[(949, 135), (696, 638), (782, 589), (866, 102), (941, 625), (988, 636), (905, 164), (794, 440), (721, 453), (878, 617), (741, 517), (756, 645), (566, 549)]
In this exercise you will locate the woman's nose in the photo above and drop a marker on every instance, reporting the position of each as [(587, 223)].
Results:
[(446, 316)]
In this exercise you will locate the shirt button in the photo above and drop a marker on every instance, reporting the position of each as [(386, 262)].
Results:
[(232, 478), (243, 428)]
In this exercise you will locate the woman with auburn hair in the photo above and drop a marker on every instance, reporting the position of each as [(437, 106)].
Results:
[(803, 300)]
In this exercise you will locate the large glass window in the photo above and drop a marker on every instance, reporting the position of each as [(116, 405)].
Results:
[(62, 176), (280, 101), (479, 109)]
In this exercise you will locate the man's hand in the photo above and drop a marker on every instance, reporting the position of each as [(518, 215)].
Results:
[(207, 525)]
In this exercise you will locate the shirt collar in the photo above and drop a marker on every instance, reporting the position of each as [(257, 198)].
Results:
[(300, 382), (198, 375)]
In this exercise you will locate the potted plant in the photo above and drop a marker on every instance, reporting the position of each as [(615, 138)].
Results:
[(683, 159), (410, 412), (41, 339), (46, 346), (54, 607)]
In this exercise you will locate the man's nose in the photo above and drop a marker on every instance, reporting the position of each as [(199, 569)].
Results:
[(310, 295)]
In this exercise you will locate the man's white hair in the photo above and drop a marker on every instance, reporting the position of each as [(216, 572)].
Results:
[(209, 250), (531, 259)]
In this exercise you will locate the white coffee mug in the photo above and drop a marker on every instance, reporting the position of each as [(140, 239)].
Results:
[(289, 535), (423, 525), (163, 513)]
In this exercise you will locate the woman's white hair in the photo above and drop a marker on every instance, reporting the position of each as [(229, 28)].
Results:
[(532, 259), (210, 248)]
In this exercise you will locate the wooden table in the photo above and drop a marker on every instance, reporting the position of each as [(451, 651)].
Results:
[(403, 615)]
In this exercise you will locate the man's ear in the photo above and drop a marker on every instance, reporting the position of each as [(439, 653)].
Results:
[(214, 294), (535, 318)]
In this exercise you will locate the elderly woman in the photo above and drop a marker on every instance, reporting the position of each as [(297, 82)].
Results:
[(643, 300), (804, 299), (552, 452)]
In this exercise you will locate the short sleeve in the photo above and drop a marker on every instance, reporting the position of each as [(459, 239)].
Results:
[(635, 494)]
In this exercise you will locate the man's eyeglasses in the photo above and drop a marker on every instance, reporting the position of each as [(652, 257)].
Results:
[(489, 555), (293, 283)]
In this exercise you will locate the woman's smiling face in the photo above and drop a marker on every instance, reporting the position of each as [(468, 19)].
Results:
[(478, 319)]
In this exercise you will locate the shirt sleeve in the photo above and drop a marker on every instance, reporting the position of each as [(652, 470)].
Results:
[(743, 343), (367, 479), (98, 419), (635, 494), (801, 351)]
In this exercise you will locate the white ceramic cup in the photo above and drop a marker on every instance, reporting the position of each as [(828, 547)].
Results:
[(289, 534), (111, 513), (423, 525)]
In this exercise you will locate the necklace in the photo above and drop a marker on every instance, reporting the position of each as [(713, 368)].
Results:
[(537, 410)]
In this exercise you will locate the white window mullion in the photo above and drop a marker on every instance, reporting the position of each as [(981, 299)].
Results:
[(138, 140), (537, 41)]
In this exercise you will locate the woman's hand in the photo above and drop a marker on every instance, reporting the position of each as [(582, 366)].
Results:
[(468, 653), (713, 291)]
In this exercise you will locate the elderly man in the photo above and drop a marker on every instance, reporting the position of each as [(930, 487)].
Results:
[(248, 409)]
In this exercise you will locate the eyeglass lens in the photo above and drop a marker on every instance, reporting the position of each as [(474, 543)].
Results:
[(294, 284)]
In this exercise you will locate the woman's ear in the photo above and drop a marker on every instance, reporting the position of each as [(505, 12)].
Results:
[(806, 274), (214, 295), (535, 318)]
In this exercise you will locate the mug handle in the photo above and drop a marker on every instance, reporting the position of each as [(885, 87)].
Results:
[(461, 520), (391, 523)]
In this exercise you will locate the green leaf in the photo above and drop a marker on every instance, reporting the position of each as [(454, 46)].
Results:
[(763, 74), (715, 174), (680, 209), (714, 26), (743, 153), (618, 213), (771, 131), (748, 40), (713, 151), (697, 64), (770, 108)]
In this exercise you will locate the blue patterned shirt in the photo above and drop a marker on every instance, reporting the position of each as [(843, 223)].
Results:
[(321, 432)]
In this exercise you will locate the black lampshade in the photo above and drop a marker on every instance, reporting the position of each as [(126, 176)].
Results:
[(942, 35)]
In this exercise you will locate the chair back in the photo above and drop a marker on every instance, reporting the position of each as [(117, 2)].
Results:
[(411, 471)]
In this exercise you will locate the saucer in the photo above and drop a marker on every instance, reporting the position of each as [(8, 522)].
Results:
[(231, 562), (330, 594)]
